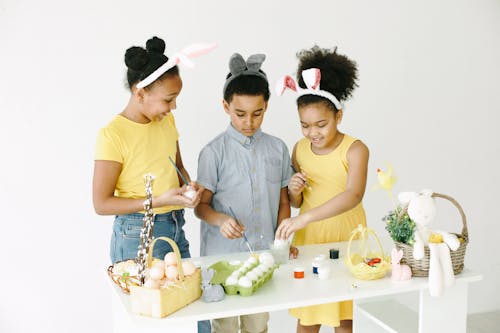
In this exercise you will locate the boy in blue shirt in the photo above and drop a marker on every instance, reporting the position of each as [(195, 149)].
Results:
[(247, 170)]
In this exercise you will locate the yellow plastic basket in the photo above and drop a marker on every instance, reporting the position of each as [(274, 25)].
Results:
[(357, 262)]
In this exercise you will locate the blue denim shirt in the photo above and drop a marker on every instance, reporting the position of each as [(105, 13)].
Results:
[(246, 174)]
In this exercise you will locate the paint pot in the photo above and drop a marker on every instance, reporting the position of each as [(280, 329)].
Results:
[(298, 273), (334, 253)]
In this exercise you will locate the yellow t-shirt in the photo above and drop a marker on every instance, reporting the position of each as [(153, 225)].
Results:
[(141, 149), (327, 175)]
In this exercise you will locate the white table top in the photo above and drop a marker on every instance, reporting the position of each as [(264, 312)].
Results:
[(283, 291)]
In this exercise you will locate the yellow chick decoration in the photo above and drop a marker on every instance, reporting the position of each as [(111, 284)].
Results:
[(385, 180)]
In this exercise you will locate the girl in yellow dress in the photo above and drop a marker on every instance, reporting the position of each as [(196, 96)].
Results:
[(332, 168)]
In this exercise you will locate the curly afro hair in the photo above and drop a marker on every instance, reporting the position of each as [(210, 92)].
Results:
[(338, 74), (141, 62)]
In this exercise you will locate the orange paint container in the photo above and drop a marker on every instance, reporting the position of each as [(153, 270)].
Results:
[(298, 273)]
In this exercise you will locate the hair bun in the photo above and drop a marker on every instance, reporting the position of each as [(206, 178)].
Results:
[(155, 45), (136, 58)]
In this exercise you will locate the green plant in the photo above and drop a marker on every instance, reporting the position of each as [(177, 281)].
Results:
[(400, 226)]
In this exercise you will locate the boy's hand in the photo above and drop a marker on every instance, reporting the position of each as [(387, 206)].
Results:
[(297, 183), (231, 229)]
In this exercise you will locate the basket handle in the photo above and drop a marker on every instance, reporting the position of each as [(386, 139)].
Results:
[(465, 231), (363, 231), (176, 251)]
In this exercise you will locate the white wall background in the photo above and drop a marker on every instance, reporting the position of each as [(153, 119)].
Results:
[(428, 101)]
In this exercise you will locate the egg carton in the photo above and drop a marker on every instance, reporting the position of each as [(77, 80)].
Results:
[(224, 269)]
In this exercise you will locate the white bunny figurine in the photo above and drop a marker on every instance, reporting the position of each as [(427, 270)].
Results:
[(211, 292), (399, 272), (422, 210)]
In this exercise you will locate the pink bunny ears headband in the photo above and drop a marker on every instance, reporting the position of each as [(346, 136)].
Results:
[(182, 57), (312, 79), (238, 66)]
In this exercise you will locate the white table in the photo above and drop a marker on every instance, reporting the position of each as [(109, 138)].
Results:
[(373, 311)]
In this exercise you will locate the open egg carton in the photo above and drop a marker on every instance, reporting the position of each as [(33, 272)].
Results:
[(244, 278)]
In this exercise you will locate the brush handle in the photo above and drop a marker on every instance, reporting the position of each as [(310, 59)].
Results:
[(178, 171)]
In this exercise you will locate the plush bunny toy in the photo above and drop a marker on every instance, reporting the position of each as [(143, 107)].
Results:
[(422, 210), (211, 292)]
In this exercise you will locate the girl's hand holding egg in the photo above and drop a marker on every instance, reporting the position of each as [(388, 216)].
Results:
[(193, 193)]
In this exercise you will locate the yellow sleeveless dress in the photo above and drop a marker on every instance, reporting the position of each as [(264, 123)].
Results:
[(327, 175)]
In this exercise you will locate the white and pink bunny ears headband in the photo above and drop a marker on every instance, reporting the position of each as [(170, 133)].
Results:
[(182, 57), (312, 79)]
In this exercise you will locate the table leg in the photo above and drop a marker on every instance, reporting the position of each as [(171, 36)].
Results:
[(447, 313)]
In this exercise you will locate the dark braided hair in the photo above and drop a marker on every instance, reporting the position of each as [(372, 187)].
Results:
[(142, 62), (338, 75)]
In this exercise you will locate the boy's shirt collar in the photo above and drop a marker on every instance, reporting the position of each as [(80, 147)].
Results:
[(241, 138)]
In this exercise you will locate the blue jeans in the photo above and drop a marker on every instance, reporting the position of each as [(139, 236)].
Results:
[(127, 230)]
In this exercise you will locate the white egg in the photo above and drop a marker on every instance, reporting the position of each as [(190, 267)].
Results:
[(266, 258), (258, 271), (252, 260), (190, 192), (252, 276), (236, 273), (231, 280), (280, 243), (245, 282), (264, 267)]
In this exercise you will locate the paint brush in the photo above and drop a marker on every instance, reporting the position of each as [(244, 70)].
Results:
[(179, 171), (244, 236), (305, 182)]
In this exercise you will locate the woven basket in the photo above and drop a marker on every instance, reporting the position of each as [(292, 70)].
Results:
[(420, 268), (124, 282), (356, 262)]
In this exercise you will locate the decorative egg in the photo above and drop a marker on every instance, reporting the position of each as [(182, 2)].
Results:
[(188, 267), (170, 259), (245, 282), (231, 280), (171, 272), (152, 284), (156, 273), (266, 258)]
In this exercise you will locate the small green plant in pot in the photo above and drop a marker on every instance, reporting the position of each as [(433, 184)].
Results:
[(400, 226)]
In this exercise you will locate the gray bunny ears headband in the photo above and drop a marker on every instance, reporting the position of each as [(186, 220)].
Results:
[(238, 67)]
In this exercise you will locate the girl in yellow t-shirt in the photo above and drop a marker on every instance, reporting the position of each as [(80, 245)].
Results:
[(332, 168), (140, 140)]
